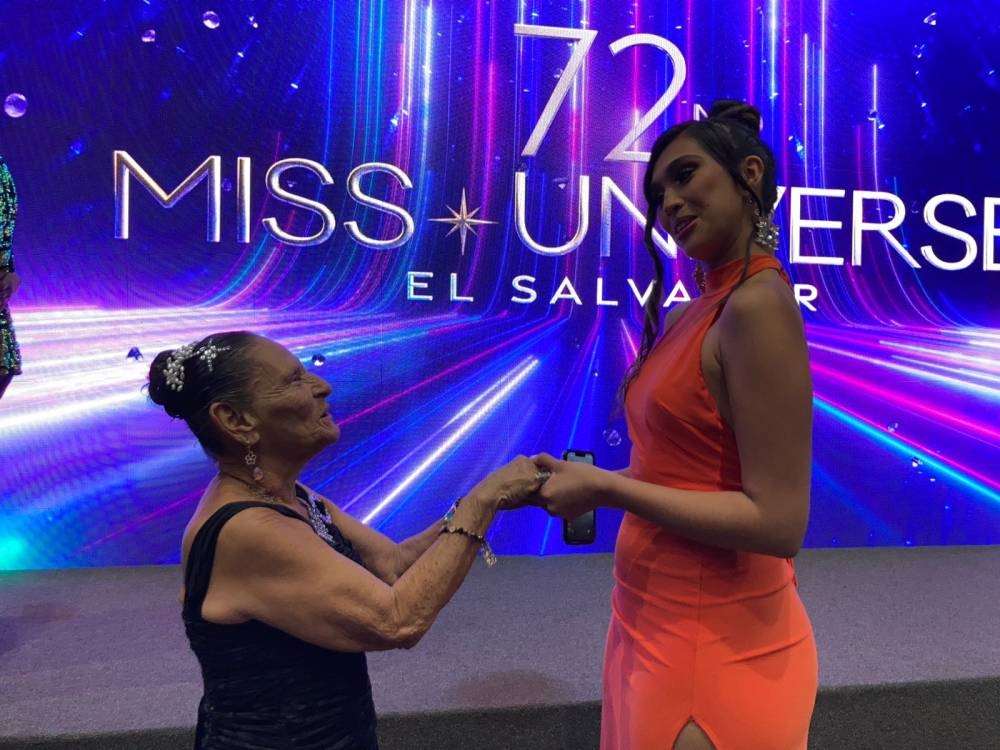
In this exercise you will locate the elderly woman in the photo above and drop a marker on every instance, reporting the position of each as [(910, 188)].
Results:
[(284, 592)]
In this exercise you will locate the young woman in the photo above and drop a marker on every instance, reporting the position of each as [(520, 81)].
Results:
[(709, 645)]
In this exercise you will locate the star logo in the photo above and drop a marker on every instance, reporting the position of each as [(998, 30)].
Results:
[(464, 220)]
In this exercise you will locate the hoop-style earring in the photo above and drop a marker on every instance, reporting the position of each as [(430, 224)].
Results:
[(250, 459)]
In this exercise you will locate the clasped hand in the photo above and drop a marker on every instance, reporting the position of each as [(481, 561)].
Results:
[(572, 489), (563, 488)]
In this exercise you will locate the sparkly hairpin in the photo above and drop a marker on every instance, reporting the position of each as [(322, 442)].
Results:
[(174, 369), (209, 352)]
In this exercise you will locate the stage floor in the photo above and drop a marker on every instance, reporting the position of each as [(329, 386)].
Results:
[(90, 651)]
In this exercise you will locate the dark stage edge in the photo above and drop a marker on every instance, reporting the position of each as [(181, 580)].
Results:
[(909, 644)]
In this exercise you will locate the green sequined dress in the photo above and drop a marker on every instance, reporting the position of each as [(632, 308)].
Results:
[(10, 355)]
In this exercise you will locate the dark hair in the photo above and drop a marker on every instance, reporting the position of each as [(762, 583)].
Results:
[(729, 135), (229, 380)]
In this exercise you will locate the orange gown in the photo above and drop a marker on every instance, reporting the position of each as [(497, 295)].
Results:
[(698, 633)]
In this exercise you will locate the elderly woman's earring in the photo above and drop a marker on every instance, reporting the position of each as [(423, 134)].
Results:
[(250, 459)]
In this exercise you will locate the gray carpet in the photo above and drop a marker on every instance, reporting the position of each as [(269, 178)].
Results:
[(96, 658)]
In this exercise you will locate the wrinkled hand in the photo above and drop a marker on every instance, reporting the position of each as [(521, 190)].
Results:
[(9, 284), (572, 490), (514, 484)]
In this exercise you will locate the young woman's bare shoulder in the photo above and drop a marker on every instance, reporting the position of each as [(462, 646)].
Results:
[(761, 298)]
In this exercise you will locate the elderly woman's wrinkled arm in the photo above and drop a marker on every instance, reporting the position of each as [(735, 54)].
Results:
[(385, 558), (279, 572)]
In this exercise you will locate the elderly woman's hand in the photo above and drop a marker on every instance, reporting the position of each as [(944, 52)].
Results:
[(515, 484)]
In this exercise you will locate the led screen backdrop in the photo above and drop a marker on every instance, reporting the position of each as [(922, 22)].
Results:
[(437, 206)]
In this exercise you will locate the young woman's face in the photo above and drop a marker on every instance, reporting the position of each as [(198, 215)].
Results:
[(699, 204)]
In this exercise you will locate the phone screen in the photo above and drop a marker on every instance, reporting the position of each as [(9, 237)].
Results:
[(581, 530)]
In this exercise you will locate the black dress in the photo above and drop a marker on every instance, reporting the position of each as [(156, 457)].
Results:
[(266, 689)]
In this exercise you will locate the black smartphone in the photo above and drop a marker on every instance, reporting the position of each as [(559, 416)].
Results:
[(582, 530)]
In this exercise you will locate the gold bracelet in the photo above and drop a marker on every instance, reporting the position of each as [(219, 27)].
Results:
[(488, 557)]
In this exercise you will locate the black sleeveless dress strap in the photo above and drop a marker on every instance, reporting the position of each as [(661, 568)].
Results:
[(265, 688), (201, 556)]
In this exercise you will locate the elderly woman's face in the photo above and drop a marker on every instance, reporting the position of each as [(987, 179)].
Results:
[(290, 403)]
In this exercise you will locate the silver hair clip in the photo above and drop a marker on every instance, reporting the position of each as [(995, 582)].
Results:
[(174, 369), (209, 352)]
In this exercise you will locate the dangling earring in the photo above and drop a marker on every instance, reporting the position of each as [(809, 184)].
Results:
[(765, 231), (699, 276), (250, 459)]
